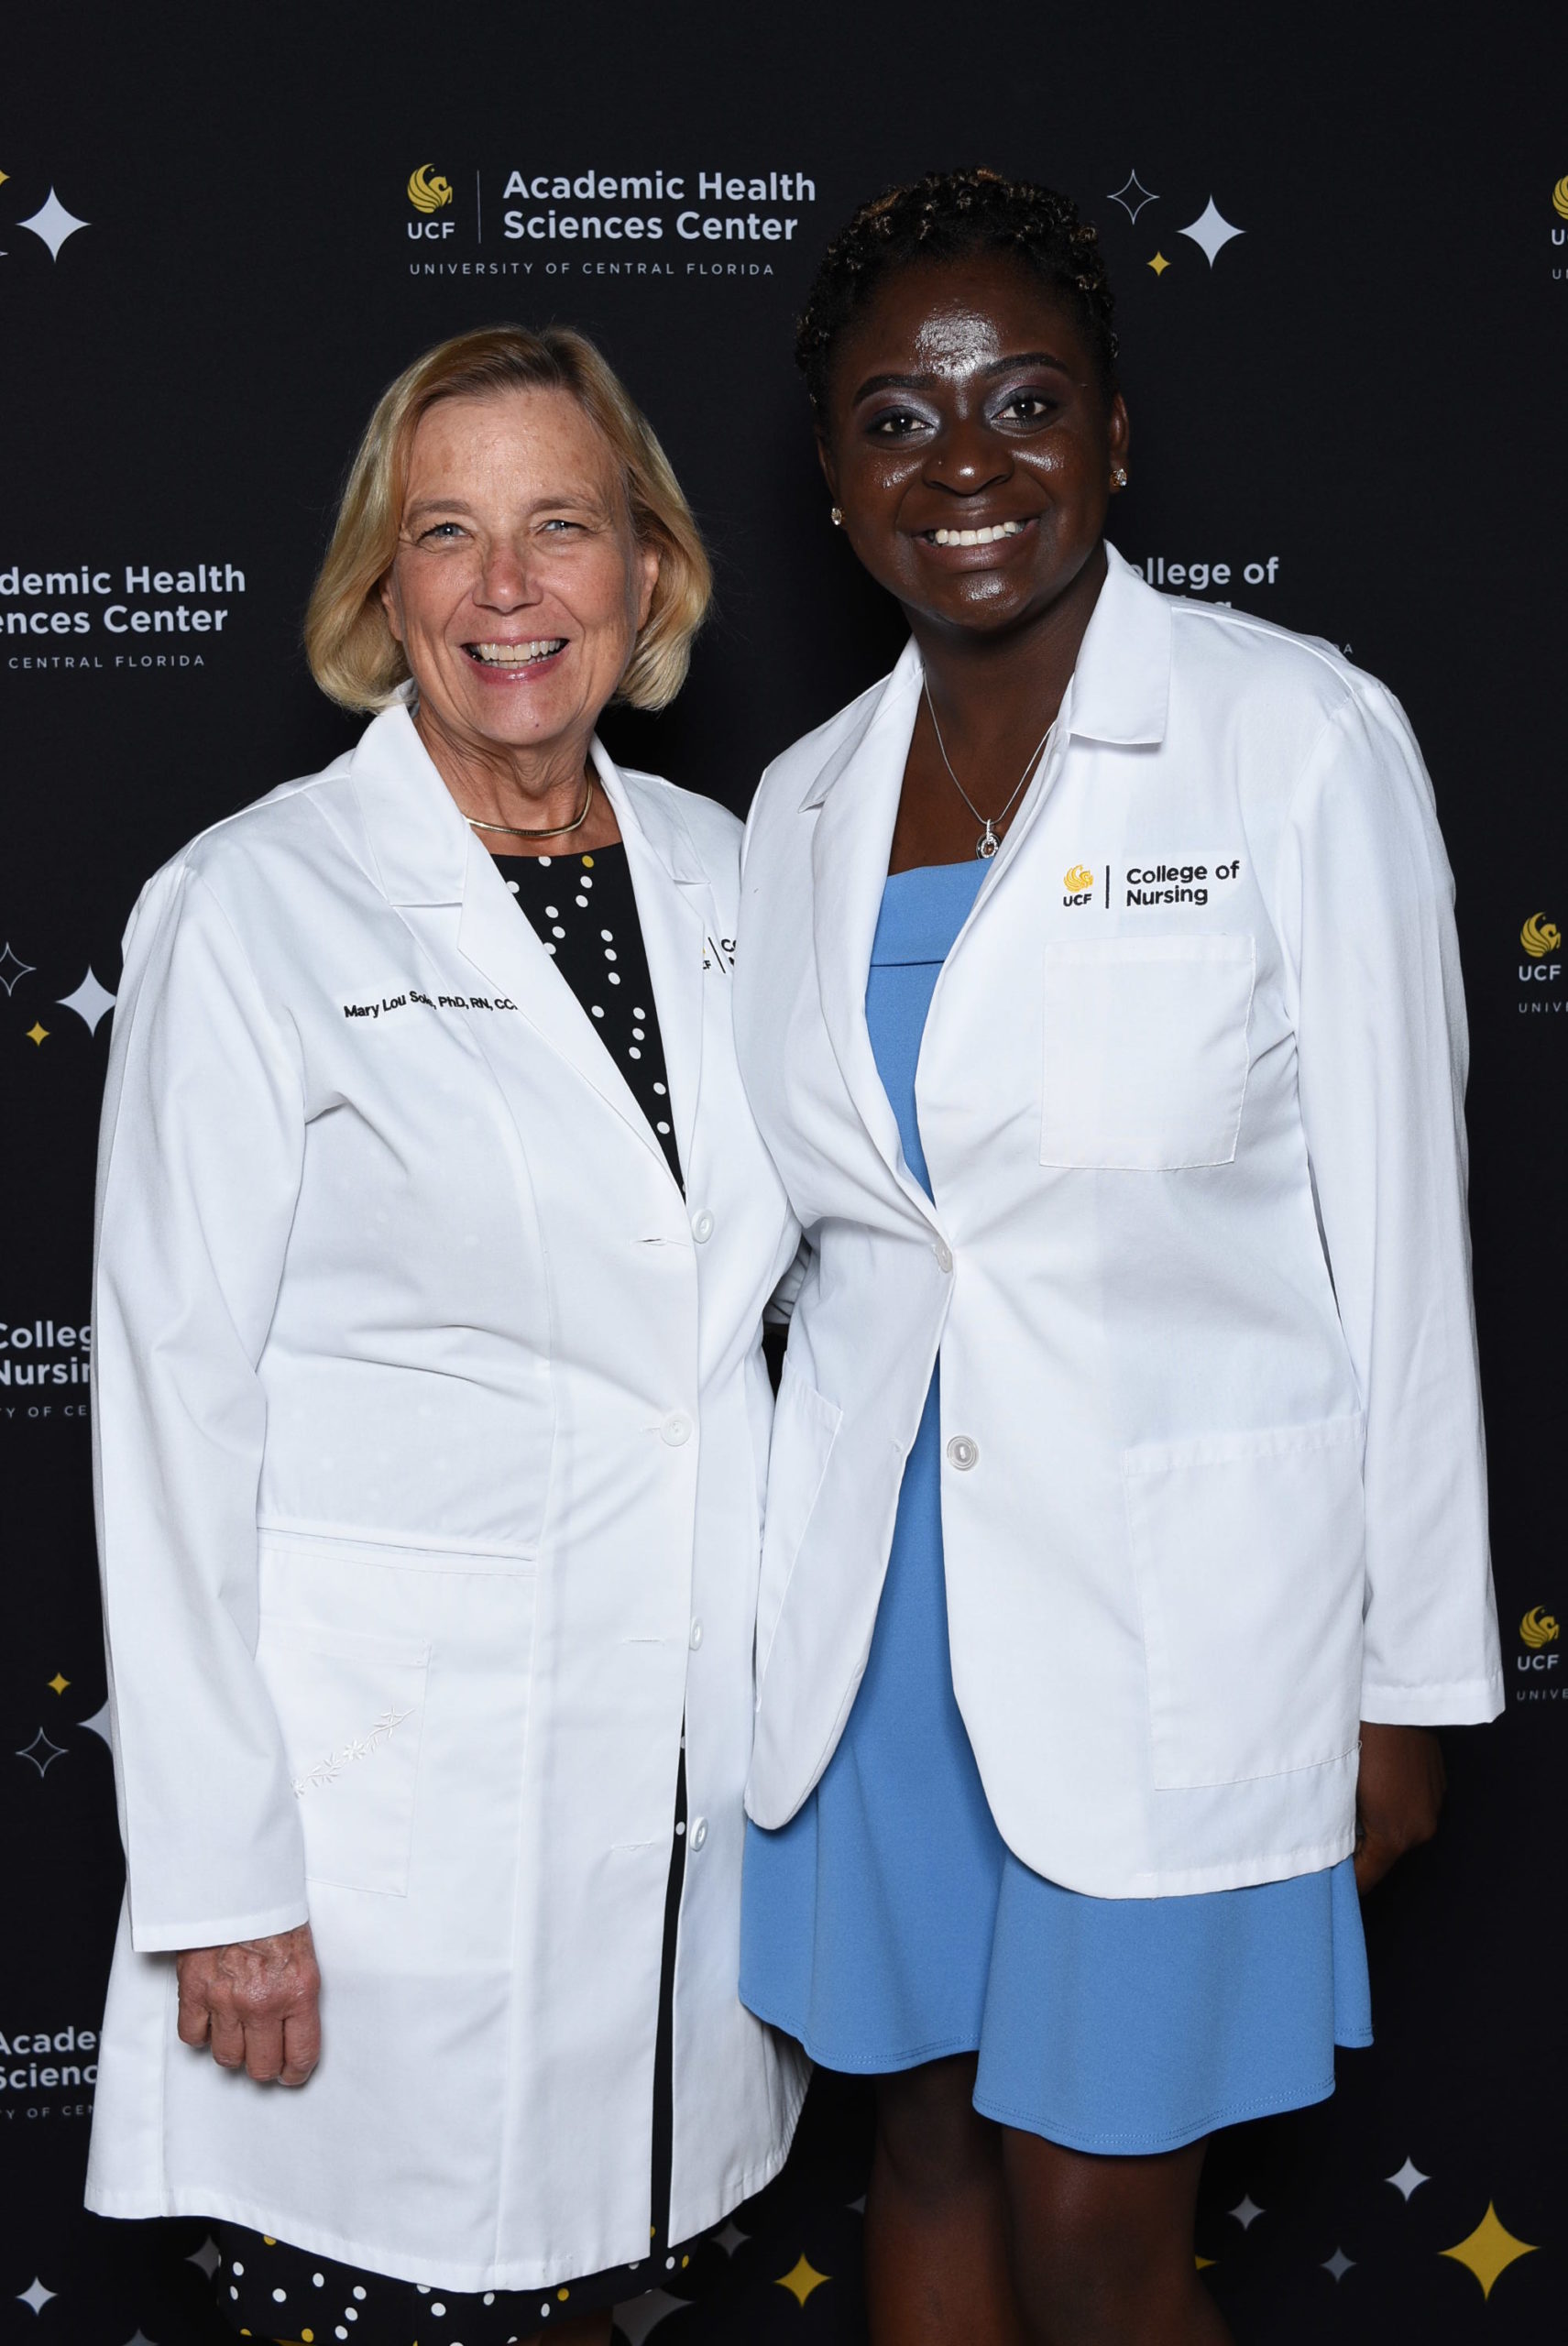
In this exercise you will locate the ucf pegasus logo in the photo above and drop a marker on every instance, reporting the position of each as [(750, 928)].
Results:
[(1539, 1635), (431, 196), (1539, 941), (428, 192)]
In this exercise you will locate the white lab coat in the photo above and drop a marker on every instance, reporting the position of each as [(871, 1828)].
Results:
[(431, 1425), (1196, 1270)]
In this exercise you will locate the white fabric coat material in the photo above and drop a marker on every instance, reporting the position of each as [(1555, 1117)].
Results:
[(1196, 1269), (431, 1425)]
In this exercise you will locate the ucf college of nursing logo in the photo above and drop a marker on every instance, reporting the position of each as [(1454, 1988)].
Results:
[(1560, 230), (713, 221), (1541, 971)]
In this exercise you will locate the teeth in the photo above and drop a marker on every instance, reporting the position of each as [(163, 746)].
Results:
[(976, 537), (515, 656)]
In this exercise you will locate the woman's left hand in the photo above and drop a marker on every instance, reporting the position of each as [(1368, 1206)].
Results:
[(1399, 1796)]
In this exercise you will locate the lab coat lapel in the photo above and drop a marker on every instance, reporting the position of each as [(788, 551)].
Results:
[(500, 941), (857, 800), (425, 855), (1118, 694), (675, 907)]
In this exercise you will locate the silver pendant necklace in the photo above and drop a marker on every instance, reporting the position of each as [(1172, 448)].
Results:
[(985, 846)]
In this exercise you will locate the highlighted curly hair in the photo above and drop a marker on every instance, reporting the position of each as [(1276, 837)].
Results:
[(954, 216)]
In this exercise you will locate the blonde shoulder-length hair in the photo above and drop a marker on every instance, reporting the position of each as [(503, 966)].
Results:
[(353, 655)]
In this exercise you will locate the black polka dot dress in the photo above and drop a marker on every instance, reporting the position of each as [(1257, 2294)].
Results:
[(583, 911)]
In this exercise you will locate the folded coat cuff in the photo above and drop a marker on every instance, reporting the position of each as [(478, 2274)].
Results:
[(156, 1936), (1455, 1702)]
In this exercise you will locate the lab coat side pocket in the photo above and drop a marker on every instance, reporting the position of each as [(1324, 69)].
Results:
[(1146, 1051), (806, 1426), (352, 1711), (1248, 1555)]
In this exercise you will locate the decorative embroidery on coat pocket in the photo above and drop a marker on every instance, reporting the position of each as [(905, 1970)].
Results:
[(356, 1791), (360, 1746)]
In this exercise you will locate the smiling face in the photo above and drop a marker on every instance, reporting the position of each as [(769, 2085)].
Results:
[(519, 586), (970, 444)]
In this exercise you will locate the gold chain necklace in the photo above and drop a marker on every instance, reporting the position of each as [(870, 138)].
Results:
[(552, 831)]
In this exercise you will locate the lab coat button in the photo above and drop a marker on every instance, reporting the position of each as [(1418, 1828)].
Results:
[(696, 1635), (676, 1429), (702, 1226), (944, 1254), (699, 1833), (962, 1452)]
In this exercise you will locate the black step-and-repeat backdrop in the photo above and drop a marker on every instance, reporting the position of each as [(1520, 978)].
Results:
[(1341, 247)]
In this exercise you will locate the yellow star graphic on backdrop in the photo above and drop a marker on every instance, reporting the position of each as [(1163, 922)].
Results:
[(37, 1033), (1489, 2251), (1160, 264), (59, 1684), (1203, 2262), (801, 2282)]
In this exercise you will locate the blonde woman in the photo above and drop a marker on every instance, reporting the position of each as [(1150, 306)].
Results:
[(433, 1240)]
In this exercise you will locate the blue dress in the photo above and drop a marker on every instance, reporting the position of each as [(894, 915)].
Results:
[(888, 1924)]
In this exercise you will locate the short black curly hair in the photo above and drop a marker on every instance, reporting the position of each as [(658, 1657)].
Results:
[(952, 215)]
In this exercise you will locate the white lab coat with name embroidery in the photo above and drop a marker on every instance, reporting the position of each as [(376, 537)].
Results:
[(1196, 1265), (431, 1426)]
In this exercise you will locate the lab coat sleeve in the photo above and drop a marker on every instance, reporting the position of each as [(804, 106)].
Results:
[(199, 1170), (1365, 909)]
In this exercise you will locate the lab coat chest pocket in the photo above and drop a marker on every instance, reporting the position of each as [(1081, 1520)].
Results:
[(806, 1426), (352, 1711), (1247, 1552), (1146, 1051)]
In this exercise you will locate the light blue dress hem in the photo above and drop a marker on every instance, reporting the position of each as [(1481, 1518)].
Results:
[(1136, 2146)]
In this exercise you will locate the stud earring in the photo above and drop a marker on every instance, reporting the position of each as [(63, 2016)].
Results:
[(1119, 476), (835, 515)]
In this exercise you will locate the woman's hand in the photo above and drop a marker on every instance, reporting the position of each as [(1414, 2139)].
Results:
[(257, 2003), (1399, 1796)]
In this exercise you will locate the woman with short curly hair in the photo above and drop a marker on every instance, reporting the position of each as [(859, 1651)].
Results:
[(1126, 1527)]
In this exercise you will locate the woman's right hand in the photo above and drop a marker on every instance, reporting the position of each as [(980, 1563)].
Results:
[(257, 2003)]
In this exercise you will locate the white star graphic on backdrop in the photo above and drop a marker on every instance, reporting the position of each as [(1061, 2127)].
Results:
[(1124, 194), (12, 968), (1409, 2178), (1246, 2212), (53, 1752), (99, 1722), (207, 2256), (1339, 2264), (38, 2296), (730, 2238), (1211, 230), (53, 223), (91, 1002), (638, 2319)]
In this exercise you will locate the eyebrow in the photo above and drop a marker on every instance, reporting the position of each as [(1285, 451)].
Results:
[(923, 382)]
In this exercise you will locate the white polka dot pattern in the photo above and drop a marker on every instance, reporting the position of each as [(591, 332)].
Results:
[(377, 2311), (596, 942)]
